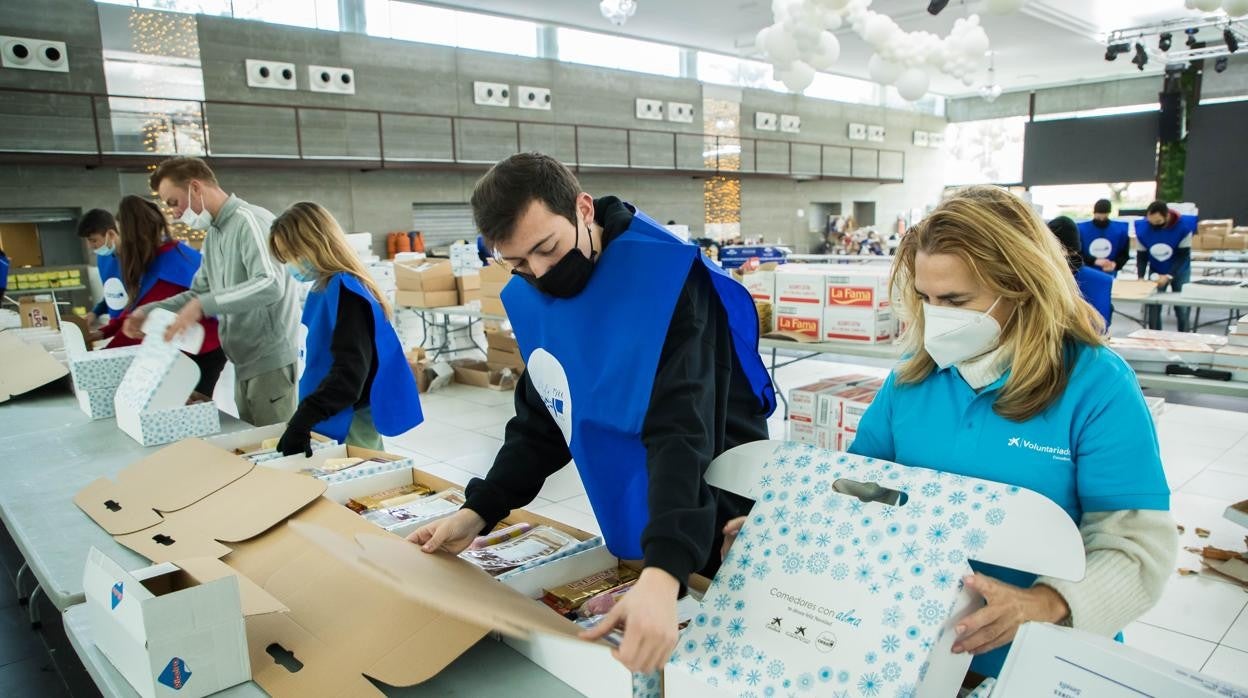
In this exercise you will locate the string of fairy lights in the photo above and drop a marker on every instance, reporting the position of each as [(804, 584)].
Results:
[(721, 194), (169, 35)]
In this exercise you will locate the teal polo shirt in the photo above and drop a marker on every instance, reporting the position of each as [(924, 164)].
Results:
[(1093, 449)]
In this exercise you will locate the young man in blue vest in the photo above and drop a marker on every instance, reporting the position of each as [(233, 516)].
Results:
[(1105, 243), (1164, 255), (642, 366), (99, 229)]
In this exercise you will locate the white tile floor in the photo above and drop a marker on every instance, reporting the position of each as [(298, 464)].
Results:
[(1201, 621)]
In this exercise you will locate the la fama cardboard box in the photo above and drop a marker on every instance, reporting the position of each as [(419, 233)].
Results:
[(813, 416), (761, 282), (96, 374), (151, 401), (800, 294), (25, 366), (1047, 661), (823, 592), (173, 628)]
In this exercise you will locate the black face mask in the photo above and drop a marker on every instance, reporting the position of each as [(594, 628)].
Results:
[(1101, 224), (569, 275)]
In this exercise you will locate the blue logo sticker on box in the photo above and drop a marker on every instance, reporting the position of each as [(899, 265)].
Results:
[(119, 592), (176, 674)]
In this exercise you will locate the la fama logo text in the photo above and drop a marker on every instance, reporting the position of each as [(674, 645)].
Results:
[(851, 295), (846, 616)]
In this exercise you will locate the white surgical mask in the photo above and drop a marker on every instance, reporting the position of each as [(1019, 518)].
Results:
[(195, 221), (953, 335)]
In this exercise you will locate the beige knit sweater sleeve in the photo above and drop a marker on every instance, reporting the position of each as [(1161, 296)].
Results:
[(1131, 555)]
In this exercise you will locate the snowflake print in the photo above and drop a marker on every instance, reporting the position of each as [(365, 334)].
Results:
[(909, 656), (938, 534), (869, 684), (733, 674), (694, 665), (890, 643), (739, 605), (959, 520), (716, 622), (799, 519), (942, 579), (863, 573), (747, 652), (917, 592), (816, 518), (956, 557), (760, 657), (891, 616), (781, 462), (817, 563), (823, 540), (899, 596), (825, 674), (793, 563), (934, 557), (831, 503), (711, 643), (893, 530), (787, 479), (803, 499), (938, 511), (839, 550), (753, 677), (874, 475), (855, 507), (775, 669), (765, 481), (977, 506), (912, 633), (905, 691), (870, 657), (874, 538), (802, 538), (912, 529), (995, 517), (889, 512), (780, 514), (721, 602), (931, 489), (916, 510), (821, 487), (691, 646), (958, 498), (765, 537), (891, 671), (843, 677), (782, 549), (769, 496), (931, 612), (994, 497), (861, 554), (761, 570), (975, 540), (823, 468), (874, 588), (980, 488), (892, 578), (840, 571), (784, 496), (910, 551), (729, 649), (736, 582), (759, 520), (802, 461), (845, 530), (926, 644), (744, 561)]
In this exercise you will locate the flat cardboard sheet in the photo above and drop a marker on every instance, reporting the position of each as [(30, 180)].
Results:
[(24, 367)]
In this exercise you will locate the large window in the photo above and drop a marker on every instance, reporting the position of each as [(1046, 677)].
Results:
[(436, 25), (608, 51), (985, 152), (314, 14)]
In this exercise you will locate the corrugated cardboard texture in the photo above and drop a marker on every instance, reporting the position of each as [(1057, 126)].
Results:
[(24, 367)]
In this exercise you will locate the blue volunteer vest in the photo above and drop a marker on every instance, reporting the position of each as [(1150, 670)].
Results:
[(393, 398), (1104, 243), (115, 297), (4, 272), (1096, 287), (176, 265), (1163, 243), (593, 359)]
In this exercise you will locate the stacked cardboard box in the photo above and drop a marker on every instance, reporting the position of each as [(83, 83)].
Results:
[(760, 282), (481, 374), (494, 277), (800, 294), (1237, 336), (503, 351), (425, 284), (814, 416), (1152, 353), (857, 307), (841, 411), (38, 313), (1234, 359), (468, 288), (1211, 235), (464, 258)]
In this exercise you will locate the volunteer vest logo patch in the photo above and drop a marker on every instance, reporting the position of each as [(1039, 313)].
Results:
[(1062, 454), (551, 383), (175, 675), (851, 296), (1161, 252), (1100, 248), (115, 293), (119, 592)]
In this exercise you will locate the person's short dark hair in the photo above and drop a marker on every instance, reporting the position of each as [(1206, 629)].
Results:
[(180, 170), (97, 220), (1158, 207), (1066, 232), (671, 222), (1102, 206), (505, 192)]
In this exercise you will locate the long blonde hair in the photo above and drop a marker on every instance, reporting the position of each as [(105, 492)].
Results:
[(1012, 253), (306, 231)]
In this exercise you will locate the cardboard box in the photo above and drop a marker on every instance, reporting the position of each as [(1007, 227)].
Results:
[(766, 317), (819, 619), (37, 313), (761, 283), (425, 276), (843, 409), (864, 325), (249, 443), (828, 400), (384, 463), (1238, 241), (482, 375), (803, 400), (25, 366), (173, 629), (151, 401), (93, 370), (1208, 241), (430, 299), (503, 351), (800, 297), (1215, 226), (466, 297), (469, 282), (1046, 660), (98, 403), (1232, 358), (493, 306), (863, 288)]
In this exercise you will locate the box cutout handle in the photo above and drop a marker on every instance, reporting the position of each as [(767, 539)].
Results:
[(162, 539), (284, 658), (112, 505), (870, 492)]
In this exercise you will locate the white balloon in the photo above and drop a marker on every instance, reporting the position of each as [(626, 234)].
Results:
[(1002, 7), (1191, 4), (828, 53), (913, 84), (1235, 8), (968, 80), (878, 30), (1208, 5), (760, 39), (975, 42), (780, 47), (798, 77), (883, 71), (832, 22)]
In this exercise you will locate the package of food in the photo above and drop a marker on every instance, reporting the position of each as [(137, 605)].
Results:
[(539, 542), (602, 603), (613, 638), (420, 511), (500, 535), (567, 598), (392, 497)]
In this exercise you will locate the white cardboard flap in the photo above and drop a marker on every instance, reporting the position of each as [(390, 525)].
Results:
[(824, 592), (75, 343), (190, 340)]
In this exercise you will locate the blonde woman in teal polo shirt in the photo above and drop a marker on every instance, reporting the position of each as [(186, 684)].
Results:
[(1007, 379)]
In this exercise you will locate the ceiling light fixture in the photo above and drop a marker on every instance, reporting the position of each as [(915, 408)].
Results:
[(617, 11), (1163, 41), (1114, 50), (935, 6), (1191, 37), (1219, 66), (992, 90), (1141, 57), (1232, 42)]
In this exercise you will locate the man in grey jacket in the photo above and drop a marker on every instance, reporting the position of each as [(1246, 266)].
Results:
[(240, 284)]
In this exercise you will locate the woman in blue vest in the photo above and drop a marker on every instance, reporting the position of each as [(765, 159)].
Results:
[(356, 383), (1002, 355), (99, 229), (642, 366), (1104, 243), (1164, 255), (1095, 286)]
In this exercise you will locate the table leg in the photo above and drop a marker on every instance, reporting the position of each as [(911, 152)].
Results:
[(33, 608), (17, 583)]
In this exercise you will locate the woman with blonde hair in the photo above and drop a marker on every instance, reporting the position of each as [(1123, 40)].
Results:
[(356, 384), (1005, 377)]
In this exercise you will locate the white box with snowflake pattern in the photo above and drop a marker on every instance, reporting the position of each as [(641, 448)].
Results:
[(831, 591)]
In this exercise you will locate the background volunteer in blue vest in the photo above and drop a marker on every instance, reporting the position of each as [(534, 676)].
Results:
[(1095, 286), (1104, 242), (239, 283), (356, 383), (634, 368), (1008, 379), (1164, 254), (99, 229)]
